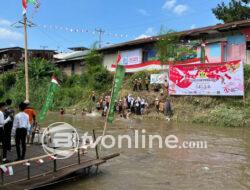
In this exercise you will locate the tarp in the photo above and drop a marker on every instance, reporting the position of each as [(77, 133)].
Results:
[(215, 79)]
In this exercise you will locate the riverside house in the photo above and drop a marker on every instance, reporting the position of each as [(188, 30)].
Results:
[(224, 42), (10, 57)]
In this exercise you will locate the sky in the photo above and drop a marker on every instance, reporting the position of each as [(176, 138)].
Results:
[(61, 24)]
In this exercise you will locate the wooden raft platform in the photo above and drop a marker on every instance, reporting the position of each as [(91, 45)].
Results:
[(50, 172)]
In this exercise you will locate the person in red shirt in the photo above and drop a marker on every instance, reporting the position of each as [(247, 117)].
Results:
[(32, 119)]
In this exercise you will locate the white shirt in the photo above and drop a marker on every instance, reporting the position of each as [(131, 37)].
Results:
[(21, 120), (2, 120)]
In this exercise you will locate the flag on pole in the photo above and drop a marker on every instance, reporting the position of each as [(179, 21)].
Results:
[(25, 4), (52, 157), (54, 86), (7, 170), (10, 170), (119, 76), (40, 161), (4, 168)]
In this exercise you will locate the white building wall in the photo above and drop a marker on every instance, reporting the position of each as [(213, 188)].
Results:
[(248, 56), (109, 60)]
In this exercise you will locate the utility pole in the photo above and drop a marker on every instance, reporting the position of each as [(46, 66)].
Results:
[(26, 58), (25, 23), (100, 32)]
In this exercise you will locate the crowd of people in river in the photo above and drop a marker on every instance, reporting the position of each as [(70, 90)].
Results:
[(20, 125), (130, 104), (124, 107)]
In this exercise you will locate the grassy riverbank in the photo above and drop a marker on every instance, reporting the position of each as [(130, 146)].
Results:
[(75, 92), (219, 111)]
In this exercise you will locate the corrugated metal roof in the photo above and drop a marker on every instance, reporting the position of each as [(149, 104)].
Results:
[(194, 32)]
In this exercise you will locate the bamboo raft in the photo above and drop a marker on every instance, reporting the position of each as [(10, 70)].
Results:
[(52, 171)]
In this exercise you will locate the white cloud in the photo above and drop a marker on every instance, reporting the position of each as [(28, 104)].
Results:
[(148, 33), (169, 4), (6, 34), (180, 9), (142, 36), (4, 22), (172, 5), (143, 12), (193, 26)]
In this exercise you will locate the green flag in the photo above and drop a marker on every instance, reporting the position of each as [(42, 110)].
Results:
[(203, 53), (49, 99), (119, 76)]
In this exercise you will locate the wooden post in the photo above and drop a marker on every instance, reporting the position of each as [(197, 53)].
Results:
[(96, 147), (55, 165), (26, 58), (79, 156), (96, 151), (28, 169), (1, 153), (54, 161), (2, 177)]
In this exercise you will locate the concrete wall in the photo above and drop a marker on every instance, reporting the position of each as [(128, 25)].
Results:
[(109, 59), (67, 69)]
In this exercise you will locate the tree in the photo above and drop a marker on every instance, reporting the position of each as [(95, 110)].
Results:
[(236, 10), (170, 48)]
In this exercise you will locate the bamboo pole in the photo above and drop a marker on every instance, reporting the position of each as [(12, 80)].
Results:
[(26, 58), (112, 90)]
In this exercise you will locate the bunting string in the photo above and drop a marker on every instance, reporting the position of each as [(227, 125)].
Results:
[(82, 30)]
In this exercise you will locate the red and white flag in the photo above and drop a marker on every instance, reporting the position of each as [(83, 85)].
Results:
[(7, 170), (40, 161), (25, 5)]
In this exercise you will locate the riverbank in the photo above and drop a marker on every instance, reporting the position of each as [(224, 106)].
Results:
[(207, 110), (75, 92)]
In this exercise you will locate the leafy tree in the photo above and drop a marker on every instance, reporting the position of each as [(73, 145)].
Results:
[(236, 10), (39, 69), (170, 48)]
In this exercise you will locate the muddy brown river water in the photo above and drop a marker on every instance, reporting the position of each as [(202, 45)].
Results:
[(224, 165)]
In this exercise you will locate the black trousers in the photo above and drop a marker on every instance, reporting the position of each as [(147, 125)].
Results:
[(3, 141), (21, 134), (7, 134)]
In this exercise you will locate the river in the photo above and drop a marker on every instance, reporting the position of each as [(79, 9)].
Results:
[(224, 164)]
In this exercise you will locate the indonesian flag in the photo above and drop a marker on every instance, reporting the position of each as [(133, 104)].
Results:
[(40, 161), (25, 4), (119, 57), (55, 80), (52, 157), (26, 164), (7, 170)]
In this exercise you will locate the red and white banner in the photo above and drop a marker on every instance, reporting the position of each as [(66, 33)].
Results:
[(152, 65), (215, 79)]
